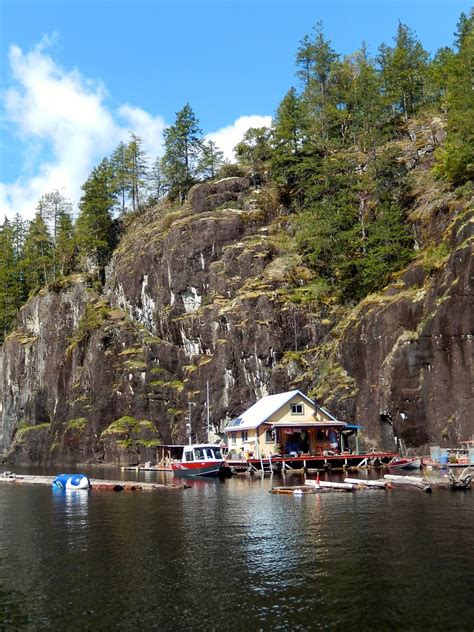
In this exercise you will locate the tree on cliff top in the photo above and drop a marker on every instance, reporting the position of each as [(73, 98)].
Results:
[(94, 223), (404, 71), (183, 144), (457, 157)]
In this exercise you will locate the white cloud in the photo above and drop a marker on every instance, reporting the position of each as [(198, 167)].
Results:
[(227, 138), (66, 127), (66, 114), (146, 126)]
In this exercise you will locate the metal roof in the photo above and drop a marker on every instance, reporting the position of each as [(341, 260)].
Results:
[(264, 408), (309, 424)]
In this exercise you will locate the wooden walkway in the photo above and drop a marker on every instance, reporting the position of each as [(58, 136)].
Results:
[(309, 463)]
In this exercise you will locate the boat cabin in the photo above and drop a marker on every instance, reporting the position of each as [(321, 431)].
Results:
[(201, 452), (284, 424)]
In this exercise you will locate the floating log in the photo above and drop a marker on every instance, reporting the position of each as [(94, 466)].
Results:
[(409, 481), (366, 483), (96, 484), (329, 484), (305, 489)]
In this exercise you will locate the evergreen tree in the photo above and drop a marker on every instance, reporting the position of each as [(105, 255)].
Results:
[(94, 223), (321, 107), (8, 308), (19, 229), (38, 258), (457, 157), (136, 168), (438, 76), (365, 103), (182, 142), (121, 175), (65, 244), (404, 70), (288, 138), (156, 184), (210, 161), (54, 208), (254, 151), (305, 60)]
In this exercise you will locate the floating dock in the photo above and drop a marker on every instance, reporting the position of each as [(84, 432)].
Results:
[(308, 463)]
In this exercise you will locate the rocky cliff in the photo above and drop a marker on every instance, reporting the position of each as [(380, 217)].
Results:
[(215, 291)]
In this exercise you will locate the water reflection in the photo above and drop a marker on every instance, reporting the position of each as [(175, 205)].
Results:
[(71, 513), (230, 555)]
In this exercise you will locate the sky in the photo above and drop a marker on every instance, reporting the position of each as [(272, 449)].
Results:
[(76, 76)]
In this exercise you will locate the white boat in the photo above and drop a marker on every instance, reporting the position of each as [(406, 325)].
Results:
[(201, 459)]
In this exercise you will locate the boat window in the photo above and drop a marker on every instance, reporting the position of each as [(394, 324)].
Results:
[(198, 454), (217, 453), (188, 456), (209, 453)]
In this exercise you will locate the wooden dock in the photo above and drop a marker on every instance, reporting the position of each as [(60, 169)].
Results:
[(312, 463), (96, 484)]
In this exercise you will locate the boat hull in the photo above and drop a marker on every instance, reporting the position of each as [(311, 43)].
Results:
[(196, 468), (406, 464)]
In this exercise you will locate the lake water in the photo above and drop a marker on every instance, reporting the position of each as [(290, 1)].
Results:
[(230, 556)]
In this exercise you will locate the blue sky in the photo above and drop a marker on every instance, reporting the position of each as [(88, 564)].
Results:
[(76, 76)]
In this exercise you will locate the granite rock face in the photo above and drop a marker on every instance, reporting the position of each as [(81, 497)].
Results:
[(203, 294), (410, 354)]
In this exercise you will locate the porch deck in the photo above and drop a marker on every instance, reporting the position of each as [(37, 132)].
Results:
[(306, 462)]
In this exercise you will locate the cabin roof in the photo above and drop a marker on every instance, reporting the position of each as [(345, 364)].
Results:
[(265, 407)]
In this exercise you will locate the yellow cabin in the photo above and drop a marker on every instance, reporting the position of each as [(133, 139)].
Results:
[(284, 424)]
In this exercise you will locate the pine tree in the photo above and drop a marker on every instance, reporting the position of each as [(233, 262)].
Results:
[(182, 142), (38, 253), (155, 182), (54, 207), (19, 229), (457, 157), (8, 308), (210, 161), (94, 223), (321, 107), (121, 175), (365, 103), (438, 76), (288, 137), (137, 168), (254, 150), (65, 244), (404, 71)]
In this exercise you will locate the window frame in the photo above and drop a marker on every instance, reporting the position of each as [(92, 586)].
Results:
[(297, 405)]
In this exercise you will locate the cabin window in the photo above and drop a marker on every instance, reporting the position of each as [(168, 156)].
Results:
[(296, 409), (198, 454), (209, 453), (269, 436), (188, 456), (245, 435), (217, 453)]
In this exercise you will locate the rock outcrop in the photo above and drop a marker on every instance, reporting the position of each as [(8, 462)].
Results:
[(212, 293)]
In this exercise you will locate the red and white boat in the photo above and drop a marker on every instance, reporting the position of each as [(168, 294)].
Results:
[(201, 459), (405, 463)]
